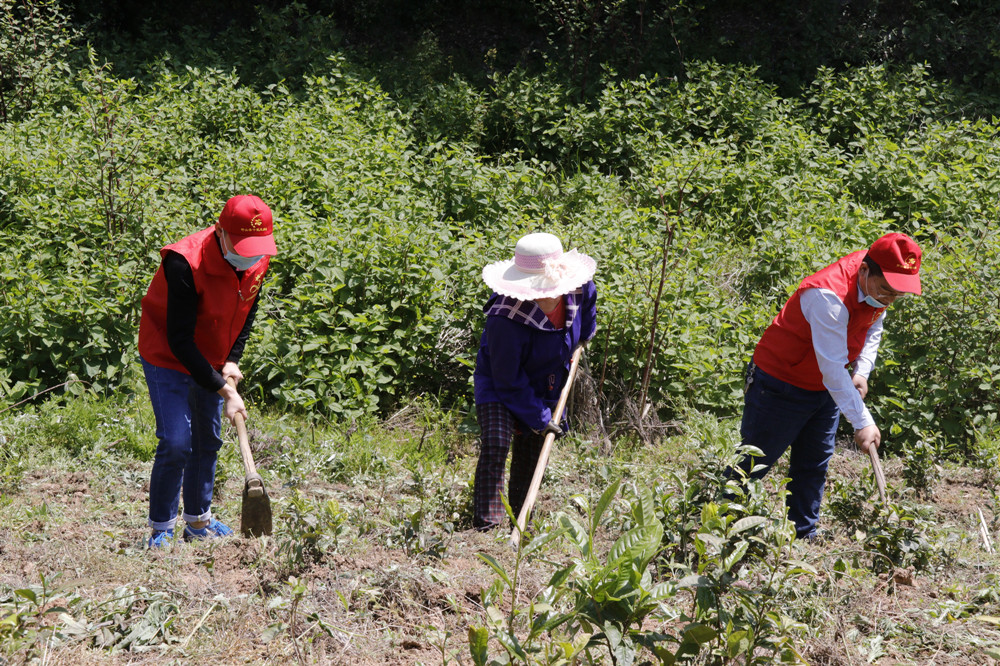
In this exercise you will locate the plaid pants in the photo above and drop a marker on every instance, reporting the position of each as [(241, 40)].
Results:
[(501, 431)]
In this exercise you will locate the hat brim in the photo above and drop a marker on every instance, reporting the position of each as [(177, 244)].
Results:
[(506, 279), (904, 282), (252, 246)]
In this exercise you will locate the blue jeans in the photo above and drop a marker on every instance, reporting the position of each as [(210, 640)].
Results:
[(188, 428), (778, 416)]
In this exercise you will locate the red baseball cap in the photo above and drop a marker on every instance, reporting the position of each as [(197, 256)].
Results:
[(250, 226), (899, 258)]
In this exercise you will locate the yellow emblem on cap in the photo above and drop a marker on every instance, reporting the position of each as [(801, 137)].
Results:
[(256, 224)]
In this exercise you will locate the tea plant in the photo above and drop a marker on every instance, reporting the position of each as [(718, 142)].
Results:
[(898, 537), (921, 466), (850, 504), (415, 534), (749, 621), (27, 618), (537, 620), (680, 496), (297, 591), (986, 453), (312, 529), (592, 605), (612, 596)]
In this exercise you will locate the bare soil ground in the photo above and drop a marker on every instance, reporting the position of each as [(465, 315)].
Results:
[(372, 600)]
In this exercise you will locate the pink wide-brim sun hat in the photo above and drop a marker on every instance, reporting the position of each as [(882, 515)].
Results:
[(539, 269)]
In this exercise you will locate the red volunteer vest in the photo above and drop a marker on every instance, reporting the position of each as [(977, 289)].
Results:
[(785, 350), (223, 303)]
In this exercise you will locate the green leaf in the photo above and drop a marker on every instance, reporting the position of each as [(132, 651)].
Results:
[(798, 566), (497, 567), (990, 619), (576, 533), (694, 580), (644, 509), (272, 632), (749, 522), (561, 575), (737, 642), (638, 545), (496, 616), (602, 505), (479, 645), (27, 594), (512, 645), (537, 543), (698, 633), (734, 557)]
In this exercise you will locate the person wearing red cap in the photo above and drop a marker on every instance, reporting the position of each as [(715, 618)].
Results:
[(196, 318), (812, 365)]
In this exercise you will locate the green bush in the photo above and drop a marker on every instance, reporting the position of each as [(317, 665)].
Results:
[(36, 40), (705, 201), (876, 99)]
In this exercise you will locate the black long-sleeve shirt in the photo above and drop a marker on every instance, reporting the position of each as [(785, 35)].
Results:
[(182, 314)]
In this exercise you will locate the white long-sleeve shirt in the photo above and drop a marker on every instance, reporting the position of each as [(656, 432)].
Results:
[(827, 316)]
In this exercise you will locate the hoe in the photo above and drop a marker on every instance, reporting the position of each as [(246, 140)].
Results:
[(255, 513)]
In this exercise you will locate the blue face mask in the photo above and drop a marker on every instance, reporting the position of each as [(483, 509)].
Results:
[(241, 263), (870, 300)]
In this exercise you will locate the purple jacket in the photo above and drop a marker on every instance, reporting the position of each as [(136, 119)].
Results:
[(523, 361)]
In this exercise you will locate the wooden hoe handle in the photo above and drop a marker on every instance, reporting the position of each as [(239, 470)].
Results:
[(879, 474), (543, 456), (255, 485)]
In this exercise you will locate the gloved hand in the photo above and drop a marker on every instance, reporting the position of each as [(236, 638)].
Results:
[(553, 427)]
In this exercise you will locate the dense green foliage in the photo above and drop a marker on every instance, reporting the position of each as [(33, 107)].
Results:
[(387, 208)]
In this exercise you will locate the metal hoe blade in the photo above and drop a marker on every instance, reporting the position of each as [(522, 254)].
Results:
[(255, 515)]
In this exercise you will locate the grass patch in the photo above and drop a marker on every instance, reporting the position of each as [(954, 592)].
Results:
[(373, 559)]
